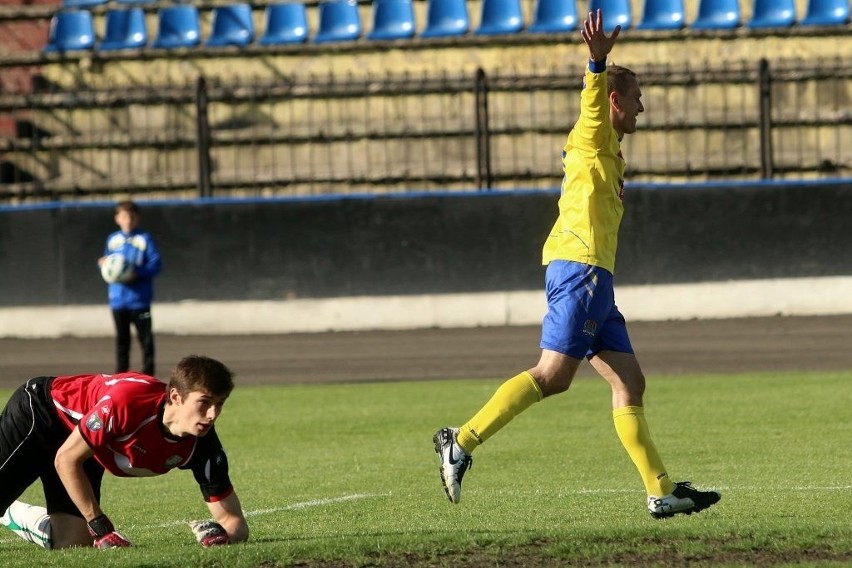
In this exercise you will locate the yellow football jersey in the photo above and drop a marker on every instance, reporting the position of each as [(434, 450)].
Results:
[(590, 207)]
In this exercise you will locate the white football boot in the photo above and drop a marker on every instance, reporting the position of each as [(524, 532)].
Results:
[(684, 499), (454, 462)]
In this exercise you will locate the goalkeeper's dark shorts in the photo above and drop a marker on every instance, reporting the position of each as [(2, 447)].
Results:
[(30, 435)]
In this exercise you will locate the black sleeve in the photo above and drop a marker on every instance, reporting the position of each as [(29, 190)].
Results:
[(209, 464)]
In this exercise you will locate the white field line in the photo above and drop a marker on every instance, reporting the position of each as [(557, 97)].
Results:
[(316, 503), (292, 507)]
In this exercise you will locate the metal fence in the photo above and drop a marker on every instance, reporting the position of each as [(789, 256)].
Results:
[(492, 130)]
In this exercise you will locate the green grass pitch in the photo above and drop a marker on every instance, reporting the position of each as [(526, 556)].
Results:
[(345, 475)]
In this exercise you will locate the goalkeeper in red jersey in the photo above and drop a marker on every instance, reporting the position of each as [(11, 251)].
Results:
[(582, 320), (68, 430)]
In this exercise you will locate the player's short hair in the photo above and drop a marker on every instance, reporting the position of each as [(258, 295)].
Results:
[(127, 205), (619, 79), (200, 373)]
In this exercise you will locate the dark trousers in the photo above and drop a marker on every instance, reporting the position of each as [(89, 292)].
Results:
[(141, 320)]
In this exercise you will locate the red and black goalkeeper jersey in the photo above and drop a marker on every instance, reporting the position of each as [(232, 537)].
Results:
[(120, 417)]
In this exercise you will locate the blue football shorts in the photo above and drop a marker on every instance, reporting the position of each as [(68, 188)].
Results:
[(582, 318)]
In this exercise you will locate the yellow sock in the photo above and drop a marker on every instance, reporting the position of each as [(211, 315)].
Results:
[(633, 432), (513, 397)]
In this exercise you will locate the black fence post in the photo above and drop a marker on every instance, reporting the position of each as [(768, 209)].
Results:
[(764, 79), (483, 135), (202, 142)]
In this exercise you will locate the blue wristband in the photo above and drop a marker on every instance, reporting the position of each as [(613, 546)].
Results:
[(597, 66)]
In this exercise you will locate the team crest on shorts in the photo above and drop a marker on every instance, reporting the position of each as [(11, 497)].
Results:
[(590, 328), (94, 423)]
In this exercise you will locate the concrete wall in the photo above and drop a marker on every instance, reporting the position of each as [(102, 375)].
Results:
[(275, 250), (416, 245), (401, 262)]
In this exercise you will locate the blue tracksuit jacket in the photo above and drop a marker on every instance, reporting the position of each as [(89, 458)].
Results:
[(139, 248)]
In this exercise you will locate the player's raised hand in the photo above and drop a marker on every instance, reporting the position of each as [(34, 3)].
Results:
[(597, 41), (209, 533)]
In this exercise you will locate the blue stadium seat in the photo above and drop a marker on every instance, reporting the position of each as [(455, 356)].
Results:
[(662, 15), (338, 21), (125, 29), (70, 30), (446, 18), (826, 13), (717, 15), (177, 27), (554, 16), (615, 13), (137, 1), (772, 14), (500, 17), (392, 19), (232, 25), (285, 23), (82, 3)]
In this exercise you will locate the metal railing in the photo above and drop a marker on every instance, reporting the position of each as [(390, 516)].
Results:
[(494, 130)]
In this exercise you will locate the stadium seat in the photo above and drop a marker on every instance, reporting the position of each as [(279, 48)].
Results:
[(717, 15), (446, 18), (772, 14), (285, 23), (177, 27), (82, 3), (662, 15), (826, 13), (500, 17), (136, 1), (70, 30), (232, 25), (392, 19), (615, 13), (338, 21), (125, 29), (554, 16)]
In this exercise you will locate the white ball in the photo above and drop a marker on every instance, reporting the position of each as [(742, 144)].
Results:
[(115, 268)]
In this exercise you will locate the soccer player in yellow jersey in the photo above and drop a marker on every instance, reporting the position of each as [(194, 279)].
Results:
[(582, 319)]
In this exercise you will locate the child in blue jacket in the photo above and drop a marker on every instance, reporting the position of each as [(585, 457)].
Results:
[(130, 300)]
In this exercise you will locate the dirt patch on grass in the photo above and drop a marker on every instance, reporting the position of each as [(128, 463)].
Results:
[(537, 555)]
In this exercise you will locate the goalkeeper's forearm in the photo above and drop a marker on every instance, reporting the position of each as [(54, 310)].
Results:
[(69, 462)]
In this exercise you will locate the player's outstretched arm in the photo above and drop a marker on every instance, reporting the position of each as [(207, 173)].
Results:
[(596, 40)]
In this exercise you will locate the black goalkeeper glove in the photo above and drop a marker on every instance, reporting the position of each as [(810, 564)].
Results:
[(104, 534)]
